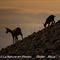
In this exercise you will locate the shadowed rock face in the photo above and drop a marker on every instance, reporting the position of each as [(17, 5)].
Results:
[(44, 42)]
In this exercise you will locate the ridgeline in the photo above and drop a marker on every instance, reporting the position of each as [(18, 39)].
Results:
[(44, 42)]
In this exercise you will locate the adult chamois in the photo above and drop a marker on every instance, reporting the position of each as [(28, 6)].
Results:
[(49, 20), (15, 33)]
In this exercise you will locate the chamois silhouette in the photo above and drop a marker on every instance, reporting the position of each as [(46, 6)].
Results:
[(49, 20), (15, 33)]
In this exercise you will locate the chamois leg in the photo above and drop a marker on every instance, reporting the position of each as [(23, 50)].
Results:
[(16, 39), (45, 25), (48, 24), (22, 37), (54, 21), (13, 39)]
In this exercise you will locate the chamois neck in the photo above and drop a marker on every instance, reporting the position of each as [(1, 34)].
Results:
[(9, 30), (45, 25)]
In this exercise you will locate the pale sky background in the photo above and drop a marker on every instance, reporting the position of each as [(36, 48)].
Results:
[(29, 15)]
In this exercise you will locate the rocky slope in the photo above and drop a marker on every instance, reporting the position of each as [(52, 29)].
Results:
[(45, 42)]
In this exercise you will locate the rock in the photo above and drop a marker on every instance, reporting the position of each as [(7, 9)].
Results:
[(44, 42)]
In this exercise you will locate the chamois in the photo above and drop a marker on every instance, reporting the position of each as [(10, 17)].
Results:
[(49, 20), (15, 33)]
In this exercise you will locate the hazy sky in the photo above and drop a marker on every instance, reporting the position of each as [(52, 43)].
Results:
[(29, 15), (30, 6)]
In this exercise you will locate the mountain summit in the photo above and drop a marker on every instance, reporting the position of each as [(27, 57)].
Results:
[(44, 42)]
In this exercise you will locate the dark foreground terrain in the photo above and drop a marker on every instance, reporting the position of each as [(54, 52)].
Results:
[(43, 43)]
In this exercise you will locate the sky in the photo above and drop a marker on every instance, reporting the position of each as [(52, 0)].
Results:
[(29, 15)]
